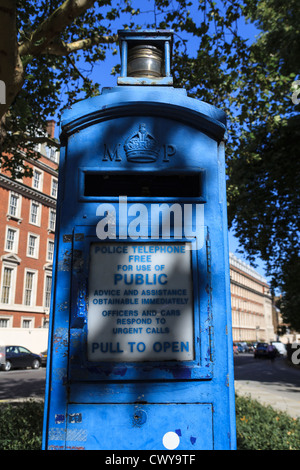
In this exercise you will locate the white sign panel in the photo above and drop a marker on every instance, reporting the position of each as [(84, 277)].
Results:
[(140, 302)]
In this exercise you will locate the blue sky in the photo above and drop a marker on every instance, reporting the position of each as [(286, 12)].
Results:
[(102, 71)]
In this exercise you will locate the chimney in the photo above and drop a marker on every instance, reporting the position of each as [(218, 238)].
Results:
[(50, 128)]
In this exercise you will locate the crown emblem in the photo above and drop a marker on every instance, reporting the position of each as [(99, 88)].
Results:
[(141, 147)]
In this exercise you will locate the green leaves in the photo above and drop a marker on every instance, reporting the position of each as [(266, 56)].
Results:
[(21, 426), (262, 428), (53, 76), (251, 80)]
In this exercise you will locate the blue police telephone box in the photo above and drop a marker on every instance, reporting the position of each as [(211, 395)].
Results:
[(140, 347)]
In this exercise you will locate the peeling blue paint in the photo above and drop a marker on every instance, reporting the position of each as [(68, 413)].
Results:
[(59, 419), (75, 418)]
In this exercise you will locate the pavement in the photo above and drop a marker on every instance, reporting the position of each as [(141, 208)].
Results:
[(281, 395)]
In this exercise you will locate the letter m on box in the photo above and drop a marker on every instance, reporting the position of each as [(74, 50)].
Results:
[(109, 155)]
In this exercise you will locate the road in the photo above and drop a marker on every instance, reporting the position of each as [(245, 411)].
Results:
[(20, 384), (275, 383), (272, 383)]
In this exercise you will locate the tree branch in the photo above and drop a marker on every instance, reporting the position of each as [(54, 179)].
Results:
[(62, 49), (44, 139), (11, 68), (53, 25), (10, 52)]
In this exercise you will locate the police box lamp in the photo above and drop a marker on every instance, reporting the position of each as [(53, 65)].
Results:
[(145, 57)]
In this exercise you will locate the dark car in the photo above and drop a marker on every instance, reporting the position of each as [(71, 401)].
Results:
[(20, 357), (44, 358), (261, 350)]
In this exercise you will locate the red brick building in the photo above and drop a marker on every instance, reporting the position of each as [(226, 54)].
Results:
[(27, 215)]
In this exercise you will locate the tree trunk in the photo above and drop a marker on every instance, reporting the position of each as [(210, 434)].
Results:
[(11, 69)]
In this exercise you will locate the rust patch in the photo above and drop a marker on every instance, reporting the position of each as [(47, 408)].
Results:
[(64, 264), (77, 260), (79, 237), (67, 238)]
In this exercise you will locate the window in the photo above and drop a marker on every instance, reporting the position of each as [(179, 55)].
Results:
[(52, 153), (14, 205), (34, 213), (50, 250), (54, 187), (11, 242), (29, 288), (5, 322), (6, 285), (33, 245), (26, 323), (48, 282), (37, 148), (52, 216), (37, 180)]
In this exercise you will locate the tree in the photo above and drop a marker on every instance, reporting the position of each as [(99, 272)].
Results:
[(40, 46), (253, 83), (264, 174), (250, 81), (48, 37)]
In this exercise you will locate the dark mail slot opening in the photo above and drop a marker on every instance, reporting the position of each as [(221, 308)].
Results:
[(143, 185)]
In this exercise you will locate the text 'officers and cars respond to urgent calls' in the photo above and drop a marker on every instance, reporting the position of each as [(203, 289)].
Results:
[(140, 302)]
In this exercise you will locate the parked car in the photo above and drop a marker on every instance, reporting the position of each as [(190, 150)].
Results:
[(280, 348), (2, 355), (250, 347), (20, 357), (261, 350), (44, 357), (242, 347), (245, 346)]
